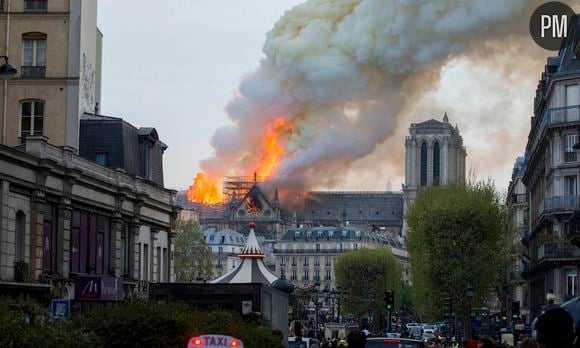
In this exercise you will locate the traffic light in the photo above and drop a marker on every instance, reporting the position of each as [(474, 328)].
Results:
[(516, 310), (390, 299), (447, 307)]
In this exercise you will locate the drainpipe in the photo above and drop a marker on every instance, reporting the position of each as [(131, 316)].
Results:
[(7, 48)]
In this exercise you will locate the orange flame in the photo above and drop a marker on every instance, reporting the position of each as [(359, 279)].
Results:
[(272, 151), (204, 190)]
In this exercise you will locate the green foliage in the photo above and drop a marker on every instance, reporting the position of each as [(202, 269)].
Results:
[(134, 324), (455, 238), (366, 274), (29, 325), (150, 324), (193, 257)]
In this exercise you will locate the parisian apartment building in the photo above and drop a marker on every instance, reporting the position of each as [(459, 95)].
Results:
[(82, 198), (550, 173)]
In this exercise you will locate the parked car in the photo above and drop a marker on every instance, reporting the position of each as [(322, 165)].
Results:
[(386, 342)]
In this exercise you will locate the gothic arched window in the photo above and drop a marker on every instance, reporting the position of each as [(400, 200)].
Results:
[(424, 164), (436, 164)]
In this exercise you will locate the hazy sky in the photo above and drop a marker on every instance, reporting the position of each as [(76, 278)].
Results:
[(175, 65)]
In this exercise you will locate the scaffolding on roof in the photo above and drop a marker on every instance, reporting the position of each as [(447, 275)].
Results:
[(239, 186)]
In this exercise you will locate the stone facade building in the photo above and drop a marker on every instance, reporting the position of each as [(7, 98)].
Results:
[(74, 227), (226, 246), (56, 47), (551, 174), (66, 219), (517, 230), (306, 256)]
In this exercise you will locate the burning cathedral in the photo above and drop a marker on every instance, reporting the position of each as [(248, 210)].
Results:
[(435, 155)]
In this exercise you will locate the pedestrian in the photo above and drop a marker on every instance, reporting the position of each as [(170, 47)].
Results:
[(356, 339), (554, 328), (334, 343), (325, 343)]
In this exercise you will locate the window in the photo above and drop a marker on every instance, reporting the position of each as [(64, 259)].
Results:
[(158, 264), (306, 261), (49, 237), (327, 275), (328, 261), (569, 152), (282, 261), (145, 262), (572, 101), (32, 119), (101, 158), (305, 275), (571, 277), (294, 275), (35, 5), (317, 261), (570, 185), (125, 241), (424, 164), (165, 266), (293, 260), (220, 250), (282, 273), (436, 164), (33, 55), (20, 237), (316, 275)]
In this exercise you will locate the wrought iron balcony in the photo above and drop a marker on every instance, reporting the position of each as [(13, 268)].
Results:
[(34, 72), (560, 250), (310, 251), (555, 116), (559, 204), (570, 156), (35, 5)]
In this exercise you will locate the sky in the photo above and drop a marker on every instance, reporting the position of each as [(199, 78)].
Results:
[(175, 67)]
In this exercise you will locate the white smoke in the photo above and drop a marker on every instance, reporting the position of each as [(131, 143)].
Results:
[(342, 71)]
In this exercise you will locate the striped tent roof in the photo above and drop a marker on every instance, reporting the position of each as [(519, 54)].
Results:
[(252, 268)]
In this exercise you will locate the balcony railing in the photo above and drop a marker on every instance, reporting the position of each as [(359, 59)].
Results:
[(556, 116), (34, 72), (570, 156), (559, 203), (310, 251), (557, 251), (35, 5)]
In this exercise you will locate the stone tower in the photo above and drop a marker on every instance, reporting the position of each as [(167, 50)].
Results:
[(434, 155)]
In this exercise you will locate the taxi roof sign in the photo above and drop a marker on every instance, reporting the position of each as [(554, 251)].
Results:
[(215, 341)]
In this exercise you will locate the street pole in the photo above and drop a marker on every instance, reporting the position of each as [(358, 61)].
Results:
[(390, 321)]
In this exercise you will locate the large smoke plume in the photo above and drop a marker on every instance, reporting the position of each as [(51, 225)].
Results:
[(345, 73)]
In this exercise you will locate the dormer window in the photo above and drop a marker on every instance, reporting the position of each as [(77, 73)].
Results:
[(330, 234), (308, 234)]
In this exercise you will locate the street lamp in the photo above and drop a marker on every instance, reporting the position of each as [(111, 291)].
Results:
[(315, 291), (469, 292), (7, 70)]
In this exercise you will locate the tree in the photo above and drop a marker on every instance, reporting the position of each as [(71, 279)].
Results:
[(193, 259), (365, 275), (455, 238)]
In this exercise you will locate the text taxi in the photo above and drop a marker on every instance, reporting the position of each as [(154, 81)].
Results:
[(215, 341)]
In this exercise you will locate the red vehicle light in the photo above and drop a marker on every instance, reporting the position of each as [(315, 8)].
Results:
[(196, 341), (392, 340), (234, 343)]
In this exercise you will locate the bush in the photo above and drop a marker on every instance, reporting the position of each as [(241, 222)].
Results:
[(133, 324)]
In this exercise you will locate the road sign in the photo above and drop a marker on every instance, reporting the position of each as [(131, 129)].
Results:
[(215, 341), (60, 309)]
